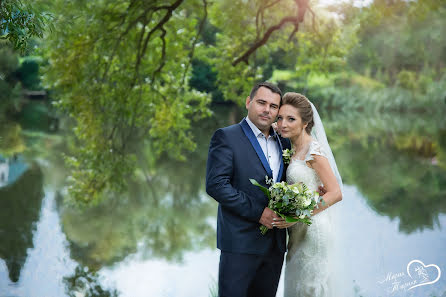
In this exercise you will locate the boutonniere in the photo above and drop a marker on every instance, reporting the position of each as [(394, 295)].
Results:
[(286, 155)]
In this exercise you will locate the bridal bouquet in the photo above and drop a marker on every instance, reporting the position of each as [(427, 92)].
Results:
[(294, 203)]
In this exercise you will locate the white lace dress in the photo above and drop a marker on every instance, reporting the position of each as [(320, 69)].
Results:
[(307, 261)]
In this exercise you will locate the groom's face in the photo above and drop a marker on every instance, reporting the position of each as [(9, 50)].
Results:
[(263, 108)]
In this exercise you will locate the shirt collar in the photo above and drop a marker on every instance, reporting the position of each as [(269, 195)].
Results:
[(257, 131)]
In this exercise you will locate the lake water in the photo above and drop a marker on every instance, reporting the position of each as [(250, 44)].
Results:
[(159, 238)]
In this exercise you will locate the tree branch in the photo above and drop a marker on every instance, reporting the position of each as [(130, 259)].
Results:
[(142, 17), (141, 36), (164, 20), (302, 8), (200, 29), (313, 19), (296, 28), (163, 53), (259, 43)]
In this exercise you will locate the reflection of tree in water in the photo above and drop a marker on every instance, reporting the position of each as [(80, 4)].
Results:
[(441, 155), (392, 162), (396, 185), (19, 211), (86, 283), (164, 214)]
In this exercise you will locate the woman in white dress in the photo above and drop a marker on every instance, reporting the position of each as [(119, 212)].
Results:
[(308, 268)]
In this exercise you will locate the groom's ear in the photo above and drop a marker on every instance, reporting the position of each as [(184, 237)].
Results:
[(248, 100)]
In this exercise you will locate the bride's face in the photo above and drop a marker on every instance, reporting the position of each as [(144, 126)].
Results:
[(289, 122)]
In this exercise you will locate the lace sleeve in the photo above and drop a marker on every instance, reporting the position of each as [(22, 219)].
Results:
[(315, 149)]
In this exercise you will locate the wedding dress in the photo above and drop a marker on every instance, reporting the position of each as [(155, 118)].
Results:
[(307, 271)]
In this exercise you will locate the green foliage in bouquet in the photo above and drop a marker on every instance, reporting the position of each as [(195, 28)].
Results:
[(294, 203)]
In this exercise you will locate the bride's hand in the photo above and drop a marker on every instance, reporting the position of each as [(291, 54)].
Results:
[(281, 223)]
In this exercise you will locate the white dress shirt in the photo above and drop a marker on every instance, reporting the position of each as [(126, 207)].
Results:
[(270, 148)]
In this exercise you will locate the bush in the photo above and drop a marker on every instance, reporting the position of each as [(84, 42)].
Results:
[(28, 73), (407, 80)]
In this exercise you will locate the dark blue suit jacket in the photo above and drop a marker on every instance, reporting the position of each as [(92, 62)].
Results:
[(234, 157)]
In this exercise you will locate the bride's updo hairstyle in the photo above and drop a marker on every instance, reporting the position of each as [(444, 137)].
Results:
[(303, 105)]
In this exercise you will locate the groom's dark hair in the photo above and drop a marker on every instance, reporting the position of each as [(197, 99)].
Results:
[(271, 86)]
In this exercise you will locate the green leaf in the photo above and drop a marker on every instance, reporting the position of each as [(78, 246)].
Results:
[(263, 229), (290, 219), (264, 190)]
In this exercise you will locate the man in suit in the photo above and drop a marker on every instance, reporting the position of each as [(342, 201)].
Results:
[(250, 263)]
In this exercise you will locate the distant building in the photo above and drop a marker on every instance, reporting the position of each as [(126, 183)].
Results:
[(11, 169), (36, 95), (4, 172)]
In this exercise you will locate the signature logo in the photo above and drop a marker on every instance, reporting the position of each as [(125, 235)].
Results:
[(418, 274), (422, 273)]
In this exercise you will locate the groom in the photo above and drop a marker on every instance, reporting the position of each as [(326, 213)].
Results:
[(250, 263)]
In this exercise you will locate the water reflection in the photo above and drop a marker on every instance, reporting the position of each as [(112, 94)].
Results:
[(164, 214), (86, 283), (146, 219), (397, 162), (394, 167), (369, 247), (19, 211)]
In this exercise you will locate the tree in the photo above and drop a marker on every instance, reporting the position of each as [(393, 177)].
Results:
[(10, 86), (398, 36), (121, 70), (20, 21), (149, 218)]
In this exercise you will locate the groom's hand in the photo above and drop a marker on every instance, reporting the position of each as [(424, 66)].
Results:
[(268, 217)]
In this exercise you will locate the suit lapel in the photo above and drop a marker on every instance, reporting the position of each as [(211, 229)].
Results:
[(255, 144), (279, 176)]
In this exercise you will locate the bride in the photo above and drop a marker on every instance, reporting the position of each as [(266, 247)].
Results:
[(308, 267)]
